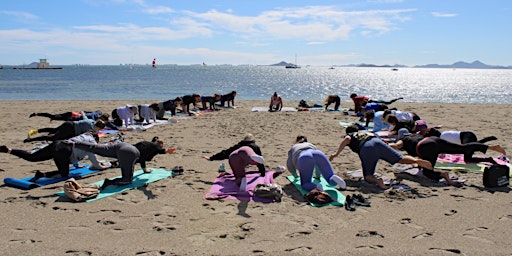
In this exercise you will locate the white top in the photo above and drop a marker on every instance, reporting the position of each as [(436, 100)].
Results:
[(451, 136)]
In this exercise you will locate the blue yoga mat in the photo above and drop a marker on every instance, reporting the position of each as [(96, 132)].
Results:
[(24, 183), (139, 179), (339, 198)]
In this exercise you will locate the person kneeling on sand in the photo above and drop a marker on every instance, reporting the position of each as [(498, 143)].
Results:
[(242, 154), (370, 150), (304, 157)]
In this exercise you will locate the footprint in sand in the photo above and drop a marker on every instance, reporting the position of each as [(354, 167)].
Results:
[(372, 247), (148, 253), (369, 233), (506, 217), (299, 250), (300, 233), (470, 233), (409, 223), (56, 208), (78, 253), (450, 213), (421, 236), (456, 251)]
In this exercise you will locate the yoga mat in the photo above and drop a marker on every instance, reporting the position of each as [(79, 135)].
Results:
[(265, 109), (139, 179), (24, 183), (339, 198), (345, 124), (225, 186)]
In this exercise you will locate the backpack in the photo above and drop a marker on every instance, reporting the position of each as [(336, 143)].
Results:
[(317, 196), (496, 175), (271, 191), (78, 192)]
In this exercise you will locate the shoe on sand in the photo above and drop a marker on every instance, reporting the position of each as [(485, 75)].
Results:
[(32, 132), (258, 159)]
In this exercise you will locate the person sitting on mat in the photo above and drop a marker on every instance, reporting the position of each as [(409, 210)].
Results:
[(276, 103), (127, 155), (305, 157), (69, 116), (333, 99), (429, 148), (370, 150), (67, 130), (62, 154), (242, 154)]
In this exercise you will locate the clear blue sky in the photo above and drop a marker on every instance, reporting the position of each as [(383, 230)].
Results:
[(105, 32)]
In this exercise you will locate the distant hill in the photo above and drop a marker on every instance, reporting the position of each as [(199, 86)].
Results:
[(282, 63), (460, 64)]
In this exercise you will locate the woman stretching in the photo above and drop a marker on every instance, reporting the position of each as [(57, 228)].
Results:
[(370, 150), (127, 155), (304, 157), (429, 148)]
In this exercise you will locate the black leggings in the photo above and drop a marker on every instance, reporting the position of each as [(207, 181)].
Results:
[(65, 131), (430, 148), (59, 151)]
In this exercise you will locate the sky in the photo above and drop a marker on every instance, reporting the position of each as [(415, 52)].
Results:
[(263, 32)]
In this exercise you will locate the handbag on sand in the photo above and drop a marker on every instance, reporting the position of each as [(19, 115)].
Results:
[(496, 175), (272, 191), (78, 192)]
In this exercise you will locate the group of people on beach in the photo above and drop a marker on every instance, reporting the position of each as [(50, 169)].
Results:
[(77, 137)]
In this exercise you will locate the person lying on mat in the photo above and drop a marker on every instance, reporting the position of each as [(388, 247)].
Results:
[(66, 130), (69, 116), (127, 155), (276, 103), (429, 148), (305, 157), (370, 150), (359, 99), (242, 154), (457, 137), (62, 154)]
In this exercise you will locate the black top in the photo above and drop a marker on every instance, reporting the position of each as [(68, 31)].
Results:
[(224, 154), (357, 140), (147, 151)]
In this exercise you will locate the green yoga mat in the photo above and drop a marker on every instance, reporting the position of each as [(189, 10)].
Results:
[(339, 198), (471, 167), (139, 179)]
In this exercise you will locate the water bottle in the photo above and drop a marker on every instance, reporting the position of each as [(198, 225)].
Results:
[(280, 168), (222, 167)]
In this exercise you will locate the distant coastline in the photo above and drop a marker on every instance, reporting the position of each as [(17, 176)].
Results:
[(456, 65), (460, 64)]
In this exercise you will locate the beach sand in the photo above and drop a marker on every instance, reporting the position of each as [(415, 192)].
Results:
[(172, 216)]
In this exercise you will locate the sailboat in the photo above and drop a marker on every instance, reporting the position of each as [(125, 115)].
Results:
[(293, 65), (154, 63)]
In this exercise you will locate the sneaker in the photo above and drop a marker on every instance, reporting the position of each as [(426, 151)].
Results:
[(258, 159), (4, 149), (32, 132)]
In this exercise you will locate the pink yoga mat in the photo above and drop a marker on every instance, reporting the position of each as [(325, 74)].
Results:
[(224, 186)]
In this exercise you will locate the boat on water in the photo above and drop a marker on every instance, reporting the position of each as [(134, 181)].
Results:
[(294, 65), (394, 69), (153, 64), (43, 64)]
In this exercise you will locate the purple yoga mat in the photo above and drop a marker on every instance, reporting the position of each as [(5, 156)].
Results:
[(224, 186)]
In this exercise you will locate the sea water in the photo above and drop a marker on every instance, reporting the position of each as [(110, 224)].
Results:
[(312, 84)]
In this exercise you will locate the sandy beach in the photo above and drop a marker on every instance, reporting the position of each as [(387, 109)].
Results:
[(172, 216)]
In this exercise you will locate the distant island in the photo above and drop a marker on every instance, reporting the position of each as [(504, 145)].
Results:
[(460, 64)]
